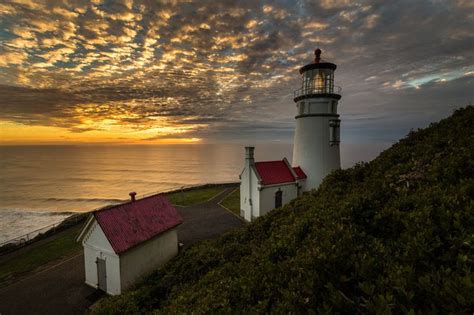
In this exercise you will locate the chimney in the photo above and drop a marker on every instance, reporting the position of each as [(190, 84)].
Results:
[(132, 195), (249, 160), (249, 164)]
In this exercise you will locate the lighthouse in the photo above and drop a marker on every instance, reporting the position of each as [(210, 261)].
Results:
[(268, 185), (317, 134)]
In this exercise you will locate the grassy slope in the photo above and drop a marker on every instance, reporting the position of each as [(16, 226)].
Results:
[(195, 196), (50, 251), (232, 202), (393, 235)]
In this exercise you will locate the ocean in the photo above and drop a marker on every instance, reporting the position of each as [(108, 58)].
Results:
[(41, 185)]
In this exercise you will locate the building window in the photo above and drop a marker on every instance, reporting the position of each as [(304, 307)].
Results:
[(301, 108), (334, 132), (333, 107), (278, 199)]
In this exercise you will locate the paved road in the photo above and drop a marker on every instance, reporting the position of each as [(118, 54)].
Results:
[(206, 220), (60, 289)]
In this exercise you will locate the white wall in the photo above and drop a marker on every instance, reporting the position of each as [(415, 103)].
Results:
[(312, 150), (147, 257), (255, 195), (257, 200), (263, 200), (267, 196), (96, 246), (248, 184), (249, 190), (245, 195), (124, 270), (302, 184)]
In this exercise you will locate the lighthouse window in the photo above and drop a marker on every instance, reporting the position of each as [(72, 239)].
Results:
[(334, 132), (301, 108), (320, 82), (307, 82), (329, 82), (333, 107)]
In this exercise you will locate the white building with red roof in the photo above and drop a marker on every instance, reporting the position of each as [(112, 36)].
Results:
[(267, 185), (271, 184), (125, 242)]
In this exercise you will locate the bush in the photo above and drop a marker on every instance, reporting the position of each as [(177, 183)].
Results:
[(391, 236)]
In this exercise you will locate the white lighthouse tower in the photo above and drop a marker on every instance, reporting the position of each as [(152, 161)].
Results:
[(316, 143)]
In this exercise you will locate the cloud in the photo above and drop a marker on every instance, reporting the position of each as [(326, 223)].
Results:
[(218, 71), (12, 58)]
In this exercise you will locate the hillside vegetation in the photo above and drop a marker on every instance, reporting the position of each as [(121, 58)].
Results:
[(393, 235)]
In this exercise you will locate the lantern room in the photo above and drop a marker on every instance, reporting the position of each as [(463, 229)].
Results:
[(317, 79)]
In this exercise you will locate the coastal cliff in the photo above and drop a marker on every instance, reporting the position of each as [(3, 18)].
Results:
[(392, 235)]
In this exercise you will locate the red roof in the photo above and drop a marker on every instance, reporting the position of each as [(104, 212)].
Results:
[(132, 223), (274, 172), (299, 173)]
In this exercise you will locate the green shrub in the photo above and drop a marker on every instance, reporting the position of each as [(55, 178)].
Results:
[(391, 236)]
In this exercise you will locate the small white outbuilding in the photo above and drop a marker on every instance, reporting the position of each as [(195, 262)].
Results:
[(125, 242), (267, 185)]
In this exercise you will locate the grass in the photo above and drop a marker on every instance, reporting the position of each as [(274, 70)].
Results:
[(65, 244), (195, 196), (232, 202), (55, 249), (391, 236)]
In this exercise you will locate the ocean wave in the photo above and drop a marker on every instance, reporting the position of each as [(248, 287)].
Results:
[(87, 179), (111, 200), (40, 213), (16, 223), (144, 171)]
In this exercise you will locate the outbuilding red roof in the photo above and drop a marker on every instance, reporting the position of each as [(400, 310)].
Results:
[(299, 173), (274, 172), (132, 223)]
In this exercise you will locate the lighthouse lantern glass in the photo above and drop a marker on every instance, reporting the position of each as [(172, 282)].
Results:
[(318, 81)]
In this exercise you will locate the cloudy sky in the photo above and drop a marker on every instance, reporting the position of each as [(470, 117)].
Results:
[(143, 71)]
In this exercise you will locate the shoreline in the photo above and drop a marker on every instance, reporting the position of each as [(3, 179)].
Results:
[(79, 218), (51, 271)]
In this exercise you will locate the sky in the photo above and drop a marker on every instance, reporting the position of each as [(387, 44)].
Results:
[(158, 72)]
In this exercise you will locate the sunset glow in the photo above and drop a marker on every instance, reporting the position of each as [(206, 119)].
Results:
[(13, 133), (136, 71)]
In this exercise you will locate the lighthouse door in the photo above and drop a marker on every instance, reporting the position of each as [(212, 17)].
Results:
[(278, 199)]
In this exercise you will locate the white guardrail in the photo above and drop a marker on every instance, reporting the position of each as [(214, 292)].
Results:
[(25, 238)]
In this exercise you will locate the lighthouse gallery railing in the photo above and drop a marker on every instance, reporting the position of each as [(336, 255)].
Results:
[(317, 90)]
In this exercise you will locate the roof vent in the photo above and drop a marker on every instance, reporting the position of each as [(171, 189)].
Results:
[(132, 195)]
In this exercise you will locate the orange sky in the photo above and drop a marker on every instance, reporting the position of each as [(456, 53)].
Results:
[(137, 71), (14, 134)]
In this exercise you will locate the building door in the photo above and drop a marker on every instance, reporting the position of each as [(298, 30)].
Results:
[(278, 199), (101, 275)]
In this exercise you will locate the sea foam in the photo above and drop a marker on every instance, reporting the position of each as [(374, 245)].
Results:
[(17, 223)]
